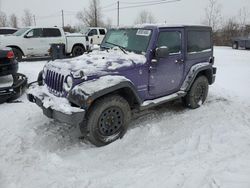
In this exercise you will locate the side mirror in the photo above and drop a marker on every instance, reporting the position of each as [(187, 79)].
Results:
[(162, 52), (90, 34), (27, 36)]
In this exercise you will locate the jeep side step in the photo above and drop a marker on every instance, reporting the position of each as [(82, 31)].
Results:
[(151, 103)]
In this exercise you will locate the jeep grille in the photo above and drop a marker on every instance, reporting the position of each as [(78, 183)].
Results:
[(54, 82)]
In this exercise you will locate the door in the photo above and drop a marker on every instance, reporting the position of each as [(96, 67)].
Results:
[(166, 74), (32, 41), (102, 33), (93, 34)]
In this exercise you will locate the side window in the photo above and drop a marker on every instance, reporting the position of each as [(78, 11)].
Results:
[(34, 33), (102, 31), (51, 32), (92, 32), (199, 41), (171, 39)]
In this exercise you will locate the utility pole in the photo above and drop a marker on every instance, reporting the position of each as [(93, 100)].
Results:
[(62, 19), (96, 24), (118, 13), (34, 18)]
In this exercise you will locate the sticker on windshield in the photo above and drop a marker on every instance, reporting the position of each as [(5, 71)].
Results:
[(142, 32)]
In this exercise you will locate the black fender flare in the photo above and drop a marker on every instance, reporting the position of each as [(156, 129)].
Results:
[(205, 68), (84, 99)]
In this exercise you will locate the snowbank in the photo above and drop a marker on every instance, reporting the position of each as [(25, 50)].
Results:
[(168, 146)]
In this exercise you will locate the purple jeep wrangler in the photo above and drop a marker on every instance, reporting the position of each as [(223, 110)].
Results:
[(136, 68)]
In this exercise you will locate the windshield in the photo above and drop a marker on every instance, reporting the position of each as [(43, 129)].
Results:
[(20, 32), (133, 40), (85, 31)]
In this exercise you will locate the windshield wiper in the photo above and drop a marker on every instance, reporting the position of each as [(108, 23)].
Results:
[(121, 47)]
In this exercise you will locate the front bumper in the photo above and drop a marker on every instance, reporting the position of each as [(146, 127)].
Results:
[(63, 113), (13, 92)]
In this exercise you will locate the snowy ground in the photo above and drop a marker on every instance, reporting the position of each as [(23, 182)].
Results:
[(169, 147)]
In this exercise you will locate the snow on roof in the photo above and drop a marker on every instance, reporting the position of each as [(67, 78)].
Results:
[(160, 25), (8, 28)]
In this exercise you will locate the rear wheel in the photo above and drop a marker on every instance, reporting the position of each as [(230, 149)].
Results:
[(18, 54), (77, 51), (107, 120), (197, 94)]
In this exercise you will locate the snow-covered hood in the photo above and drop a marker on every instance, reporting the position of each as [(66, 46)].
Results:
[(97, 62)]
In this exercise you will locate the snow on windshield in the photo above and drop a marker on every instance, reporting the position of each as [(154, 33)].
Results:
[(135, 40)]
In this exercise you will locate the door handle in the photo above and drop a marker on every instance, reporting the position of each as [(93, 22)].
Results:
[(179, 61)]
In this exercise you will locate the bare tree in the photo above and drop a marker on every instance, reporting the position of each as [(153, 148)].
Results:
[(3, 20), (230, 30), (242, 20), (145, 17), (27, 18), (108, 23), (92, 16), (213, 16), (13, 21)]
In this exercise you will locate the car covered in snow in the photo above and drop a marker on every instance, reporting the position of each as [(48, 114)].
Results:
[(36, 42), (136, 69)]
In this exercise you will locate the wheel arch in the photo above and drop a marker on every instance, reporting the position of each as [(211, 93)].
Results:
[(78, 44), (17, 47), (124, 89), (198, 70)]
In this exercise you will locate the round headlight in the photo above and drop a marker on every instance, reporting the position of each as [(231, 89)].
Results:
[(68, 83), (44, 72)]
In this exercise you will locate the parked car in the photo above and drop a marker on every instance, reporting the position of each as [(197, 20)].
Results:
[(139, 68), (241, 42), (8, 64), (36, 41), (12, 84), (95, 34), (7, 30)]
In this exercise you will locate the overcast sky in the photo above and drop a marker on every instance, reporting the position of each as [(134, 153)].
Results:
[(48, 12)]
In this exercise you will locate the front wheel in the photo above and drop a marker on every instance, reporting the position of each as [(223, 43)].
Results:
[(197, 95), (107, 120)]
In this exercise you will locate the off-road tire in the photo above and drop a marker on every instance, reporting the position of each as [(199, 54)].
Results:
[(197, 94), (18, 54), (78, 51), (107, 120)]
